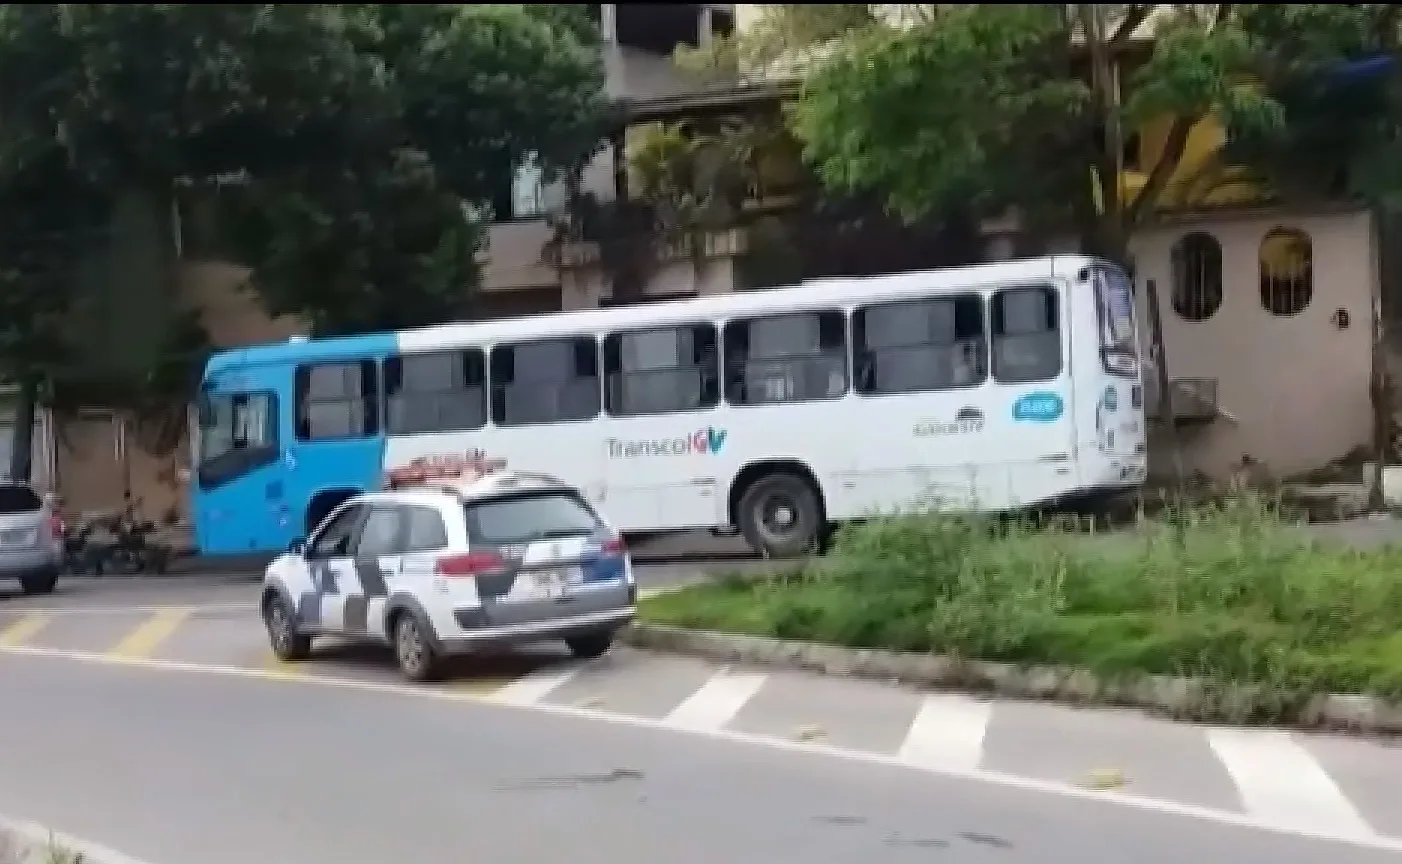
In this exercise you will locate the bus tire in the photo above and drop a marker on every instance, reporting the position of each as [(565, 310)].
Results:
[(781, 516)]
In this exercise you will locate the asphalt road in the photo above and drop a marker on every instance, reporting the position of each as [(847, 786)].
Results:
[(188, 768), (147, 715)]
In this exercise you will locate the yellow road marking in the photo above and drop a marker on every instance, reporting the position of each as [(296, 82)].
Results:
[(22, 630), (282, 669), (148, 636), (483, 686)]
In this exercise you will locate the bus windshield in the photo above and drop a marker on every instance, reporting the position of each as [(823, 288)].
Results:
[(233, 422), (1114, 308)]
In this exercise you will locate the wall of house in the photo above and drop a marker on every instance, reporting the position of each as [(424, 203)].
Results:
[(1292, 380)]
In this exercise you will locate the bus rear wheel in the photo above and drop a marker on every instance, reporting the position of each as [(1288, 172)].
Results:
[(780, 516)]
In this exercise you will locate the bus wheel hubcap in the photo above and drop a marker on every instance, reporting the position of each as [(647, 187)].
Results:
[(779, 516)]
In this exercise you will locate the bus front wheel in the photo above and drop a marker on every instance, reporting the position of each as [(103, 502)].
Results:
[(781, 516)]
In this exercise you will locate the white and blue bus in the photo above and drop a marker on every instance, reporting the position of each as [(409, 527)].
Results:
[(775, 413)]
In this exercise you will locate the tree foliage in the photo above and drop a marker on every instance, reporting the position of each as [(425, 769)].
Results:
[(1334, 71), (345, 148), (341, 142), (997, 105)]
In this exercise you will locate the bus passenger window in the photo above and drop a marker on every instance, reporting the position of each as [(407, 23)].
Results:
[(917, 346), (661, 371), (1026, 335), (445, 391), (799, 357), (546, 381), (337, 400)]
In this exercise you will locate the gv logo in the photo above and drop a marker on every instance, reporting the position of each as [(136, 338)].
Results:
[(1040, 407), (708, 440)]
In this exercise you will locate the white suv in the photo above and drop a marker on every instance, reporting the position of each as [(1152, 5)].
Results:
[(446, 567)]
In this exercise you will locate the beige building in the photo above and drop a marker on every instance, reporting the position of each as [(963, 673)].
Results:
[(1267, 328)]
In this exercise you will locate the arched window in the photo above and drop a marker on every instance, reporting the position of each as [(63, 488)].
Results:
[(1197, 276), (1287, 271)]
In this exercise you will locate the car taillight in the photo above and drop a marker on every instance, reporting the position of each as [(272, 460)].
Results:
[(613, 547), (468, 564)]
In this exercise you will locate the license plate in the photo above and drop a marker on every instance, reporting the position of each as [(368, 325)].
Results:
[(555, 584)]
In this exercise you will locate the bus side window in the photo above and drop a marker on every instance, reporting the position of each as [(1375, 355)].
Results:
[(1026, 335), (797, 357), (443, 391), (546, 381), (662, 370), (915, 346), (337, 400)]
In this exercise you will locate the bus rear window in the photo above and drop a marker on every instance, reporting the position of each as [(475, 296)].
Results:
[(1114, 312), (533, 516)]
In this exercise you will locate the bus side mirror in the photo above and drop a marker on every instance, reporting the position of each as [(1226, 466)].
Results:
[(298, 546)]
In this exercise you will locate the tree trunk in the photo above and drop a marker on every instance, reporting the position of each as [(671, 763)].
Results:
[(22, 444)]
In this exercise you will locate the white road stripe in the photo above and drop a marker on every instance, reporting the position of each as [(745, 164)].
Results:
[(717, 702), (947, 732), (1280, 782), (1123, 800), (530, 689)]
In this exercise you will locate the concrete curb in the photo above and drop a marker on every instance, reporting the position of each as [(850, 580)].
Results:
[(1183, 698), (23, 842)]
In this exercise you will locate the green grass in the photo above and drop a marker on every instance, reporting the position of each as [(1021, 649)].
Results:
[(1230, 593)]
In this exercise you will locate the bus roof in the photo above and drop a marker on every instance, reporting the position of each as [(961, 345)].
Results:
[(824, 292)]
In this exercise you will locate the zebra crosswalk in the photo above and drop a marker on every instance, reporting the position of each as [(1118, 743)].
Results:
[(1335, 785)]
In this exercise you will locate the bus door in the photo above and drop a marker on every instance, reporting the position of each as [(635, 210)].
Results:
[(238, 477), (1030, 363)]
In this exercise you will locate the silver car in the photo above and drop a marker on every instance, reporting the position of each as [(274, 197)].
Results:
[(31, 539)]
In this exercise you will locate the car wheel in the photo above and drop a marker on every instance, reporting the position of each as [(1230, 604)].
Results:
[(781, 516), (590, 645), (288, 643), (413, 650), (39, 584)]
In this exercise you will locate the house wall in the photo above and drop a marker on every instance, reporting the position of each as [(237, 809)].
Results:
[(1293, 388)]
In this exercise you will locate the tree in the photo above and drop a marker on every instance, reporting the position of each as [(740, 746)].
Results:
[(382, 238), (347, 148), (1334, 70), (1016, 104)]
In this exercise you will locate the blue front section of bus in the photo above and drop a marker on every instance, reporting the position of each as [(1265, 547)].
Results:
[(263, 510)]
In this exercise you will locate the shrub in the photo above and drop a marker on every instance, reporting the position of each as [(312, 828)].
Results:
[(1230, 592)]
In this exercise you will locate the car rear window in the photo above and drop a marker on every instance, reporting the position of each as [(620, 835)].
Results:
[(522, 518), (18, 499)]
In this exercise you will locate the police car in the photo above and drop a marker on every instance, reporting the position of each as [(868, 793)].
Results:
[(450, 558)]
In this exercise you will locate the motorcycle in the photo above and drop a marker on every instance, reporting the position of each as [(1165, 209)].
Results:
[(80, 555), (129, 549)]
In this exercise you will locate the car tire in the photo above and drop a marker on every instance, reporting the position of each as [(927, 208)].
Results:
[(41, 583), (590, 645), (781, 516), (413, 648), (288, 643)]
